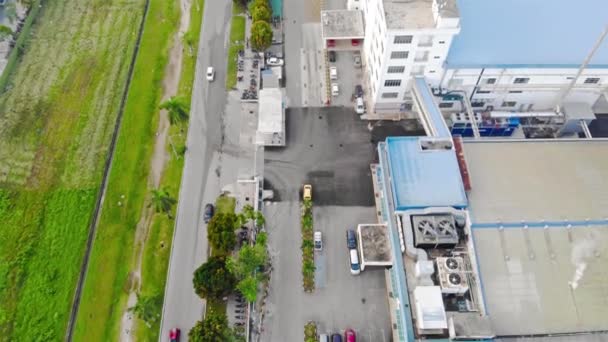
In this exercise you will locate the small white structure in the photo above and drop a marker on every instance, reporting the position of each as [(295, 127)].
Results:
[(271, 118), (430, 311)]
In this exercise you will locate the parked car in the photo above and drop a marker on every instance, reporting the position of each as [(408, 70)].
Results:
[(323, 338), (174, 335), (336, 338), (335, 90), (318, 238), (357, 60), (349, 335), (307, 192), (355, 268), (359, 106), (333, 73), (358, 90), (274, 61), (351, 239), (210, 74), (332, 56), (208, 213)]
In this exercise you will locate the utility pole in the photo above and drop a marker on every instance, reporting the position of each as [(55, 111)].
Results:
[(562, 95)]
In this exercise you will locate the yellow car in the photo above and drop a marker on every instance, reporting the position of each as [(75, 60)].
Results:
[(307, 193)]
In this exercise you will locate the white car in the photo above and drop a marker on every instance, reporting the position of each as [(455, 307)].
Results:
[(210, 74), (333, 73), (355, 268), (274, 61), (318, 238), (335, 91), (359, 106)]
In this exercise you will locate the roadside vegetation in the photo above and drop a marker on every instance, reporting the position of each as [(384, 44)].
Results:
[(237, 42), (261, 29), (59, 99), (308, 258), (310, 332), (157, 249)]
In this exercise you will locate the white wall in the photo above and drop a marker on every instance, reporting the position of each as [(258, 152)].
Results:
[(539, 93)]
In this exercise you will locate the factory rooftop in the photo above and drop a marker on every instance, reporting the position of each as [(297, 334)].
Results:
[(416, 14), (423, 178), (342, 24), (537, 212), (529, 33)]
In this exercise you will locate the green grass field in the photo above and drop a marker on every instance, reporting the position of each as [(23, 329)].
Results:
[(158, 245), (237, 43), (107, 284), (56, 119)]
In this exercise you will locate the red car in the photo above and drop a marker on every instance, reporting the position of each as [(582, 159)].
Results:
[(349, 335), (174, 335)]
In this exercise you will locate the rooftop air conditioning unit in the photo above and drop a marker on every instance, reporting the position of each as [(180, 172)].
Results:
[(434, 230), (452, 278)]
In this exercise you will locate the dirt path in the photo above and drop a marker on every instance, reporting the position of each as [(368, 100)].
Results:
[(157, 165)]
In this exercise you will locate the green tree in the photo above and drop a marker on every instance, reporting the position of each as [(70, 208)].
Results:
[(177, 108), (211, 329), (249, 288), (162, 201), (261, 35), (248, 214), (220, 231), (249, 259), (5, 33), (147, 307), (213, 279), (261, 12)]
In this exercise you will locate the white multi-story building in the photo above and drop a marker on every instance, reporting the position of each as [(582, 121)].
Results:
[(518, 55)]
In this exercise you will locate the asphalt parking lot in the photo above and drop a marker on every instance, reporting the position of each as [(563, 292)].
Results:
[(332, 149), (348, 77)]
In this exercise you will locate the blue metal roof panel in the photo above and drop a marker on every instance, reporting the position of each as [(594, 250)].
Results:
[(529, 33), (422, 179)]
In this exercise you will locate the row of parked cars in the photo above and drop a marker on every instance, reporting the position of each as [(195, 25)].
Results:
[(349, 336), (353, 255)]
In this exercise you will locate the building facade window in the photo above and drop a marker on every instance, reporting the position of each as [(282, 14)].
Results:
[(437, 57), (389, 95), (396, 69), (592, 80), (402, 40), (521, 80), (515, 91), (441, 42), (392, 83), (508, 104), (490, 80), (483, 92), (446, 105), (399, 54)]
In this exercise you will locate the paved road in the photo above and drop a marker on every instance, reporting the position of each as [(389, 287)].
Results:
[(201, 181)]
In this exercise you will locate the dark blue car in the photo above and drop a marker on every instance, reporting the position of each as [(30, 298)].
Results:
[(351, 239), (209, 211)]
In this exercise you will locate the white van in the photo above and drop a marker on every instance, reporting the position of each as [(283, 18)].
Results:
[(333, 73), (355, 268), (359, 107), (323, 338)]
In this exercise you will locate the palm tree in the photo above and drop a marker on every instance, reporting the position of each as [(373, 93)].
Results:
[(162, 201), (177, 109)]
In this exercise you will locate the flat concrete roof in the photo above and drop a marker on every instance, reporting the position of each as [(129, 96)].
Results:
[(526, 276), (270, 111), (532, 181), (416, 14), (375, 246), (342, 24)]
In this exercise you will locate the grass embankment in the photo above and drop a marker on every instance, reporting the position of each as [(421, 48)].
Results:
[(57, 114), (308, 258), (107, 282), (157, 250), (237, 43)]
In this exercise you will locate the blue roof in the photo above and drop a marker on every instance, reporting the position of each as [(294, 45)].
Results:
[(421, 179), (529, 34)]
